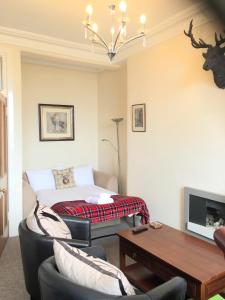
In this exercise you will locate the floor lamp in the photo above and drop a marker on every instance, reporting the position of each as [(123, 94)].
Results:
[(117, 149)]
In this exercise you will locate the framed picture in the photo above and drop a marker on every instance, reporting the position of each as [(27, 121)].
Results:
[(138, 118), (56, 122)]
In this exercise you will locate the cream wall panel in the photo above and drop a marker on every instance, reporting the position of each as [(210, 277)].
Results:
[(42, 84), (12, 90), (112, 104), (184, 144)]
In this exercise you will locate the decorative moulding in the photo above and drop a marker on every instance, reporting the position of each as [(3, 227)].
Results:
[(171, 27), (49, 46), (58, 62), (31, 36)]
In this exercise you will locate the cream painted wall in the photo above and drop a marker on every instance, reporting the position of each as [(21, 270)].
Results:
[(42, 84), (12, 90), (112, 104), (184, 144)]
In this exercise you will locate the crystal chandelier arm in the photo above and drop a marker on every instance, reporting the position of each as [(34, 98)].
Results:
[(99, 37), (117, 38), (131, 39)]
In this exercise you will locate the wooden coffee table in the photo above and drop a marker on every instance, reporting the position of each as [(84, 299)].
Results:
[(161, 254)]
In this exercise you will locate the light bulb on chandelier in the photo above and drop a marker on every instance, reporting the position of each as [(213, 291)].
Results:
[(123, 6), (89, 10), (118, 38)]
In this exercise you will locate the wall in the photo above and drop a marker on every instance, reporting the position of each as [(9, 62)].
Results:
[(112, 104), (43, 84), (12, 90), (184, 144)]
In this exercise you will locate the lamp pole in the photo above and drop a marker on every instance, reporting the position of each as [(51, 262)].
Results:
[(117, 121), (117, 149)]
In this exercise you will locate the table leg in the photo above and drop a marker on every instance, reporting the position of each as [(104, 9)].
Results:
[(202, 291)]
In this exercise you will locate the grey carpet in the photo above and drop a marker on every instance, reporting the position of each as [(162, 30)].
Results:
[(12, 286)]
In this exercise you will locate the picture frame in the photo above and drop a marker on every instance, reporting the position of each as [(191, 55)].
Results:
[(56, 122), (139, 117)]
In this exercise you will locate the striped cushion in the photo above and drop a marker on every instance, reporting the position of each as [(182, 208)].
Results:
[(43, 220), (91, 272)]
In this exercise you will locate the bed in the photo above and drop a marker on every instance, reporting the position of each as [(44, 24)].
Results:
[(71, 202), (102, 183)]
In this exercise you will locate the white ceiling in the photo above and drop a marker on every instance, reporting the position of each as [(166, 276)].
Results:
[(63, 18)]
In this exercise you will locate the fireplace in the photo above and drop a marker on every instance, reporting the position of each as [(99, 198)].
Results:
[(204, 212)]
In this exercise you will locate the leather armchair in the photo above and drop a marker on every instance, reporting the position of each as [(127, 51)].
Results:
[(55, 286), (35, 248)]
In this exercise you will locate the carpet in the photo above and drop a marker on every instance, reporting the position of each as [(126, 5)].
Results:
[(12, 284)]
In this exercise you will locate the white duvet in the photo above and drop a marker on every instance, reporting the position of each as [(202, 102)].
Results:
[(50, 197)]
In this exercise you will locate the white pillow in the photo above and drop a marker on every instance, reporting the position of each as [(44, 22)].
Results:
[(41, 179), (45, 221), (83, 175), (89, 271)]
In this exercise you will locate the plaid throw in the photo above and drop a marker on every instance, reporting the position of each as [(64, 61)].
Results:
[(122, 207)]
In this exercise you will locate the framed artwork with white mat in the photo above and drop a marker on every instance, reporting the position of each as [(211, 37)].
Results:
[(56, 122)]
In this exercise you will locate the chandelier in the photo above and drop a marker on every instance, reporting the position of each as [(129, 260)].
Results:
[(118, 33)]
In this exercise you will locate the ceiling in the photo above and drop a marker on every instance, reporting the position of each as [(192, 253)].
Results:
[(63, 18)]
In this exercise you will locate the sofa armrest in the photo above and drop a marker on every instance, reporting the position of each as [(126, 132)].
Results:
[(174, 289), (106, 181), (80, 228), (29, 198)]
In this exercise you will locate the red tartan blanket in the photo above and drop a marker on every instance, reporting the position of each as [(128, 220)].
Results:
[(122, 207)]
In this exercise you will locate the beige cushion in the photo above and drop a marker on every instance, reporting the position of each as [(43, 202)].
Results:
[(29, 198), (89, 271), (64, 178), (43, 220)]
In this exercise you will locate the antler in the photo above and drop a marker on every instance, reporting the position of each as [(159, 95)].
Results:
[(195, 44), (220, 40)]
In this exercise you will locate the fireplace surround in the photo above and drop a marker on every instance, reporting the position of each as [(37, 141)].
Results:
[(203, 212)]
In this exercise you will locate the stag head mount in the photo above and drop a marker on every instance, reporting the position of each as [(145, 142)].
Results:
[(214, 56)]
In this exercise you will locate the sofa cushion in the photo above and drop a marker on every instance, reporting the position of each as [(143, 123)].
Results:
[(43, 220), (89, 271), (64, 178)]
